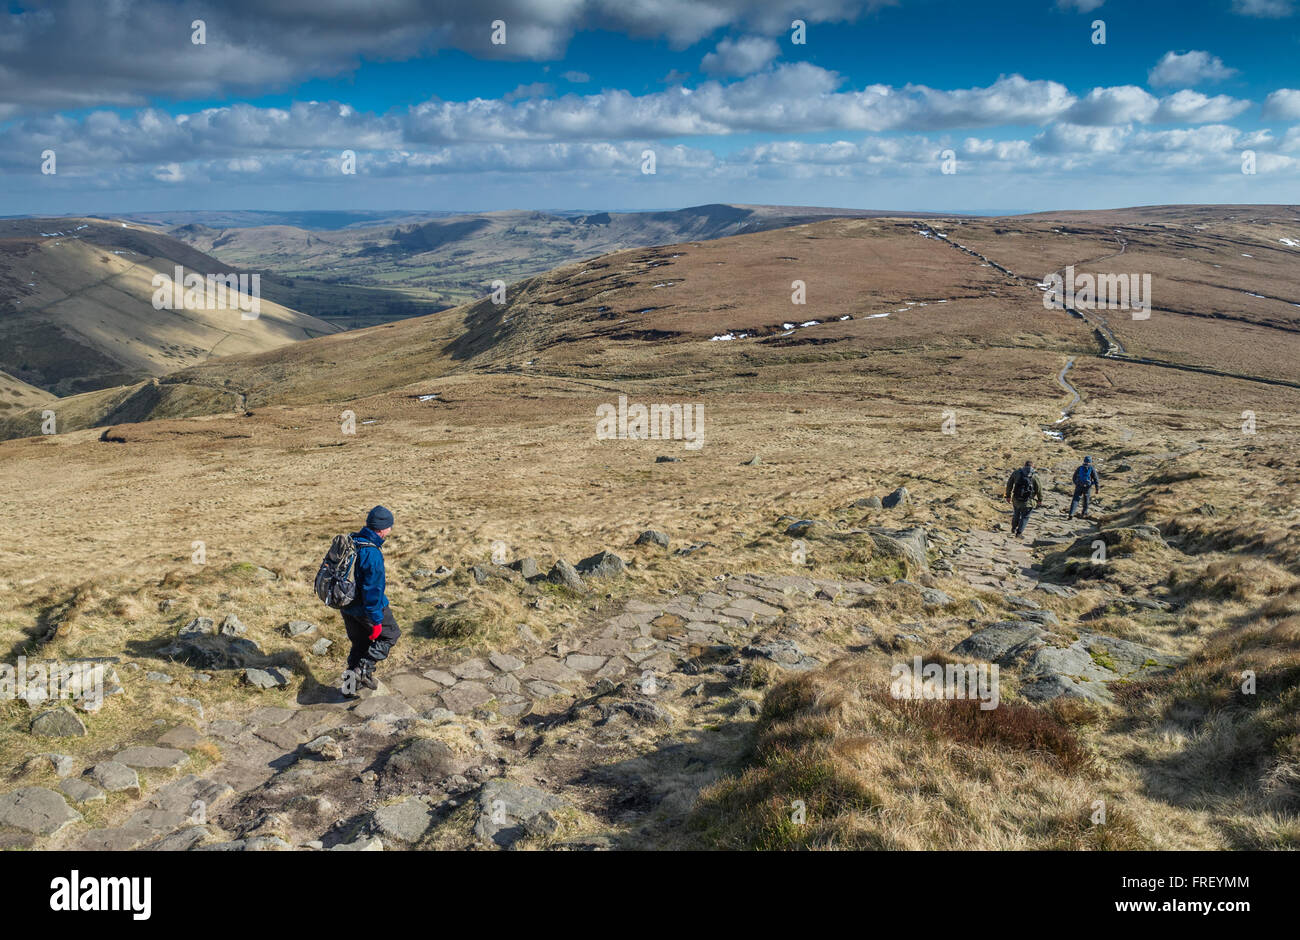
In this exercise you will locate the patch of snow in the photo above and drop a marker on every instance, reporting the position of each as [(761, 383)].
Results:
[(1290, 242), (430, 397)]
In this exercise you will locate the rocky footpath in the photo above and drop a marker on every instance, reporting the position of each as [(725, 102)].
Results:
[(597, 739)]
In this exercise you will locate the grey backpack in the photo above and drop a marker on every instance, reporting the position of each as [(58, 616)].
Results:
[(335, 581)]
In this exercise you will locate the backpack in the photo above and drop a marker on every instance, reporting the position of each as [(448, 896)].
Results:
[(1083, 475), (335, 584), (1023, 489)]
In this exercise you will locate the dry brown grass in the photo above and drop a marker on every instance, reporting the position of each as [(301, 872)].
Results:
[(875, 772), (97, 534)]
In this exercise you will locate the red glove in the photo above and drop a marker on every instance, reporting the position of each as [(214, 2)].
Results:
[(374, 631)]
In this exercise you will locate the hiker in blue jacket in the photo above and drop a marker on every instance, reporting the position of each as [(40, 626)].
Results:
[(1085, 478), (368, 619)]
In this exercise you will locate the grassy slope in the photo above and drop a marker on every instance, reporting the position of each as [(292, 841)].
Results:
[(507, 452)]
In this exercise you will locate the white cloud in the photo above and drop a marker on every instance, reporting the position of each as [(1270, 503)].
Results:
[(742, 56), (1189, 68), (169, 173), (88, 53), (1118, 105), (1192, 107), (577, 78), (1282, 105), (1076, 139), (1079, 6)]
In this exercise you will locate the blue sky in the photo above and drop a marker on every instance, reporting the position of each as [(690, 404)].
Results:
[(1036, 115)]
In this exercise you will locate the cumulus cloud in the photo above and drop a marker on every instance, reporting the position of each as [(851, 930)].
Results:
[(1079, 6), (1189, 68), (741, 56), (86, 53), (790, 99), (1119, 105), (1283, 105), (1192, 107), (577, 78)]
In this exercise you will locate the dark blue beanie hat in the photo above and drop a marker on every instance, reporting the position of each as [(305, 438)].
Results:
[(379, 519)]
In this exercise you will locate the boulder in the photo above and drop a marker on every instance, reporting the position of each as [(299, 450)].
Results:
[(80, 791), (114, 776), (565, 574), (299, 628), (324, 747), (406, 821), (265, 678), (652, 537), (603, 564), (506, 807), (424, 759), (527, 568), (38, 810), (61, 722), (199, 626), (782, 651), (909, 544), (485, 573), (933, 597), (214, 652), (231, 626), (1000, 641), (899, 497)]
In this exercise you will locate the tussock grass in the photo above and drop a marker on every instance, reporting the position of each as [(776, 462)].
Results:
[(874, 772)]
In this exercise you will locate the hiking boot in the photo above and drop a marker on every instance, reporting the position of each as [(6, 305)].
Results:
[(366, 676)]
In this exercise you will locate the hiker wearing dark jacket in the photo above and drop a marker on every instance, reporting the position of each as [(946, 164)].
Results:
[(368, 619), (1085, 478), (1023, 489)]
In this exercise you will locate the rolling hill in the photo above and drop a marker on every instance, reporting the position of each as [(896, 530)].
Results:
[(725, 642), (874, 288), (449, 259), (77, 307)]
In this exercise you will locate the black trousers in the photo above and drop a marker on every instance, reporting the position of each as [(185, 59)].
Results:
[(362, 647), (1080, 493)]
